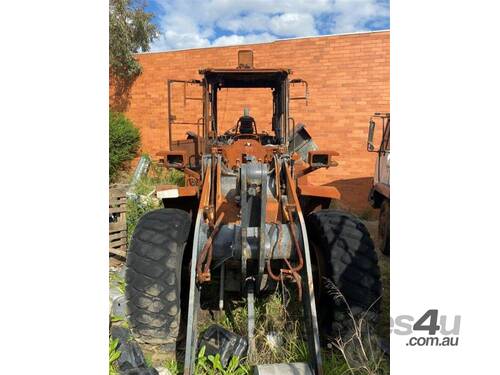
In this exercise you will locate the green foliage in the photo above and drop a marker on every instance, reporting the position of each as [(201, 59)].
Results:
[(119, 321), (148, 358), (173, 366), (286, 344), (116, 279), (124, 142), (358, 348), (334, 364), (212, 365), (130, 31), (145, 188), (281, 314), (135, 209), (114, 354), (158, 175)]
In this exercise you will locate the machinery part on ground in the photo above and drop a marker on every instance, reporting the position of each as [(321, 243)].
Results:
[(153, 276), (297, 368), (131, 360), (384, 227), (351, 265)]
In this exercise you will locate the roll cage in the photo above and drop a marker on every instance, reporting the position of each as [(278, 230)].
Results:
[(207, 127)]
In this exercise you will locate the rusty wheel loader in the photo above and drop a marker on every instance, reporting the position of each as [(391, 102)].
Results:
[(247, 219)]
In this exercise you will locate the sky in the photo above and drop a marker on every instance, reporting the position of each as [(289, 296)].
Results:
[(194, 23)]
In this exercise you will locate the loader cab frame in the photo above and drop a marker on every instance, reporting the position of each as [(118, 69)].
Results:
[(207, 132), (274, 79)]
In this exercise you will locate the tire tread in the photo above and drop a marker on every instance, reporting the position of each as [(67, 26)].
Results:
[(153, 275)]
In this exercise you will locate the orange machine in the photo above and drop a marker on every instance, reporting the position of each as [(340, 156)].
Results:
[(247, 220)]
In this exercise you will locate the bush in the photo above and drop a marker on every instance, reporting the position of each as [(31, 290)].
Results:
[(124, 142)]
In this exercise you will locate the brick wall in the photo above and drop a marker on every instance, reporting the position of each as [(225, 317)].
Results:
[(348, 78)]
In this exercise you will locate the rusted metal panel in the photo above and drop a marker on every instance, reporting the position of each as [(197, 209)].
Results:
[(272, 209), (319, 191), (174, 159), (234, 153), (322, 158), (218, 192)]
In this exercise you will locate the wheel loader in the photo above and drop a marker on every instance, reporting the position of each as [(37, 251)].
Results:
[(248, 218)]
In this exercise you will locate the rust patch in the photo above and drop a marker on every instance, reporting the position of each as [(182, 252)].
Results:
[(234, 154)]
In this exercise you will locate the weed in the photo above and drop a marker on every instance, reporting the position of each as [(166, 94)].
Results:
[(135, 209), (278, 328), (148, 358), (173, 366), (278, 334), (358, 348), (119, 321), (334, 364), (212, 365), (114, 354), (116, 279), (279, 339)]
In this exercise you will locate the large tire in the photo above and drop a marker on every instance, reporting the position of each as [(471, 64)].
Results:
[(384, 227), (349, 261), (153, 276)]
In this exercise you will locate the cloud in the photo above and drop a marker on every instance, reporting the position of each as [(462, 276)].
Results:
[(195, 23), (356, 15), (250, 22), (293, 24), (228, 40), (172, 39), (285, 24)]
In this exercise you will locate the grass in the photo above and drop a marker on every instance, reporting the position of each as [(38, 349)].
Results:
[(173, 366), (280, 314), (278, 333), (277, 336), (359, 348)]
